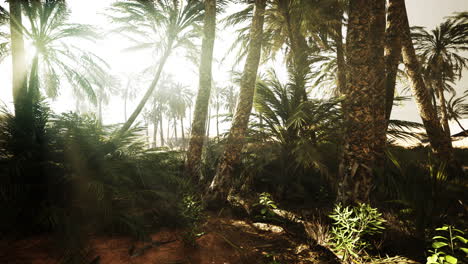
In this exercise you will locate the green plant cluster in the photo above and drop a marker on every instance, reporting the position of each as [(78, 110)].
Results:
[(266, 204), (191, 211), (352, 227), (67, 175), (448, 247)]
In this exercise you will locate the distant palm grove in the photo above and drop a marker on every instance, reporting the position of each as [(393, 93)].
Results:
[(296, 159)]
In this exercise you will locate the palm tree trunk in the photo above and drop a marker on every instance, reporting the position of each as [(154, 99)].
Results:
[(167, 134), (355, 168), (175, 129), (217, 119), (378, 93), (33, 94), (340, 58), (198, 126), (161, 133), (149, 92), (125, 101), (440, 142), (298, 52), (182, 130), (18, 55), (155, 131), (100, 110), (208, 124), (443, 108), (392, 54), (221, 183)]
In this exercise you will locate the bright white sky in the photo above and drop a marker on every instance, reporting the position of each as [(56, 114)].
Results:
[(426, 13)]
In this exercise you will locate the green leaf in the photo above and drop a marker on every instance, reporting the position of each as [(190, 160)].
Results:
[(462, 239), (464, 250), (263, 211), (450, 259), (438, 244), (440, 237), (444, 228)]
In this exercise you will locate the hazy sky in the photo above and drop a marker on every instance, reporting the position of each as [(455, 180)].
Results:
[(427, 13)]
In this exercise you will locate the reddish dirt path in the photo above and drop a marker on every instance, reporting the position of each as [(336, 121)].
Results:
[(226, 241)]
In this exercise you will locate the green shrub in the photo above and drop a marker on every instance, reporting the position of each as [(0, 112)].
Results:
[(191, 212), (448, 247), (351, 227)]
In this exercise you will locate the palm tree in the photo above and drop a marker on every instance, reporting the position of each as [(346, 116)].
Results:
[(179, 98), (457, 109), (231, 156), (439, 140), (202, 103), (284, 25), (392, 54), (442, 60), (49, 32), (358, 157), (18, 55), (163, 26)]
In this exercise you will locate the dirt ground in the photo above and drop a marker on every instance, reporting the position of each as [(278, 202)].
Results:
[(224, 241)]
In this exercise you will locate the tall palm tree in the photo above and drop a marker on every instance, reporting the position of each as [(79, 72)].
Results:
[(392, 54), (231, 156), (18, 55), (439, 140), (202, 102), (457, 109), (162, 26), (51, 35), (359, 117), (441, 52)]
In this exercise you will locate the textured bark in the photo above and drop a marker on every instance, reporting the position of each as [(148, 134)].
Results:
[(202, 103), (392, 52), (378, 93), (221, 183), (298, 48), (358, 158), (149, 92), (440, 143), (18, 55)]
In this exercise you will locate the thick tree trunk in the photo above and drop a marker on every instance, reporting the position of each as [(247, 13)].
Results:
[(202, 103), (392, 53), (149, 92), (221, 183), (18, 55), (440, 143), (358, 158), (378, 93)]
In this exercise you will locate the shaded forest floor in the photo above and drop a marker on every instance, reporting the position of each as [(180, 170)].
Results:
[(223, 240)]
